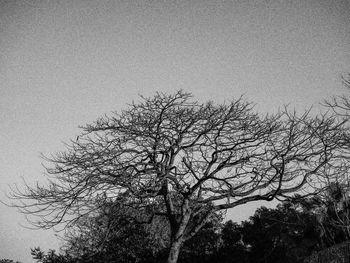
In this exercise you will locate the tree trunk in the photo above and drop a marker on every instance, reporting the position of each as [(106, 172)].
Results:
[(174, 251), (177, 232)]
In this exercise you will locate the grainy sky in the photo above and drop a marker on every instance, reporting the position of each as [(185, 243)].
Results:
[(65, 63)]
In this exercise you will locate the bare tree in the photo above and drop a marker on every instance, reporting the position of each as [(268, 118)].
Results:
[(341, 104), (339, 184), (184, 160)]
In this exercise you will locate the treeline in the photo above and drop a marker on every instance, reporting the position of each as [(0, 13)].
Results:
[(288, 233)]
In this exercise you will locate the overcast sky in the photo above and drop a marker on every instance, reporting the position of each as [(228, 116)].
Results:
[(65, 63)]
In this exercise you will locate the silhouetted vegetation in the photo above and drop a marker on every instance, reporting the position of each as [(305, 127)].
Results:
[(8, 261), (289, 233)]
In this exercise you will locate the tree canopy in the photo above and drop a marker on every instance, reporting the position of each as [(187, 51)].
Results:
[(174, 157)]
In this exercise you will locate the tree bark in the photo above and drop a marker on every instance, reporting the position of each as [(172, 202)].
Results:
[(178, 231), (174, 251)]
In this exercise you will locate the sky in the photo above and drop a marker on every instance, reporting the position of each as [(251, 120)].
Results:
[(65, 63)]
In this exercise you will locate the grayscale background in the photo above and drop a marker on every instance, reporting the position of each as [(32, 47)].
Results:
[(65, 63)]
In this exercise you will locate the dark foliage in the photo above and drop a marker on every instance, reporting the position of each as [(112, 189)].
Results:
[(288, 233), (5, 260)]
